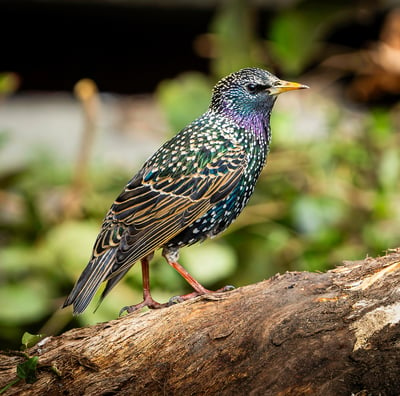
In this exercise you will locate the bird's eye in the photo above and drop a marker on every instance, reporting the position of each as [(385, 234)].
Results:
[(256, 88), (252, 88)]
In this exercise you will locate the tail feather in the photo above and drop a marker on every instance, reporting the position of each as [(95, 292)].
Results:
[(111, 283), (90, 280)]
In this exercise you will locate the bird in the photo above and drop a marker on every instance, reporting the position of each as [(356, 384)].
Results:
[(192, 188)]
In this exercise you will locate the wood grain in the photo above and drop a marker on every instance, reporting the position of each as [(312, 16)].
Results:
[(299, 333)]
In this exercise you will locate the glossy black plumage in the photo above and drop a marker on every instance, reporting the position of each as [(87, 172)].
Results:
[(192, 188)]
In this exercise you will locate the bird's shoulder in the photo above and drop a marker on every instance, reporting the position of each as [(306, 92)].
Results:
[(187, 176), (210, 145), (177, 185)]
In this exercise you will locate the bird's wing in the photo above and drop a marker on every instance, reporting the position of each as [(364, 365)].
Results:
[(156, 207), (153, 208)]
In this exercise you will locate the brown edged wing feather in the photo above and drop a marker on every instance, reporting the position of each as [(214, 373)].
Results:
[(155, 209), (152, 209)]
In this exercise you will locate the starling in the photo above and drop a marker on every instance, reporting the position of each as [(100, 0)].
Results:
[(192, 188)]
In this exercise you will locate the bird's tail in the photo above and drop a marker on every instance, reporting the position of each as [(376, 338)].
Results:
[(90, 280)]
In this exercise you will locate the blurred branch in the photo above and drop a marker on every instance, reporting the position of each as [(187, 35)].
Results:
[(86, 92), (377, 69)]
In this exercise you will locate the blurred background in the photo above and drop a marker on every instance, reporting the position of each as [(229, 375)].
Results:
[(90, 89)]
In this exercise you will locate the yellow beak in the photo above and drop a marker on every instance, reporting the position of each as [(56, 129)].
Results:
[(284, 86)]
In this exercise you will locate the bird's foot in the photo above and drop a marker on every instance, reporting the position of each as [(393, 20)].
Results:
[(225, 289), (185, 297), (147, 302)]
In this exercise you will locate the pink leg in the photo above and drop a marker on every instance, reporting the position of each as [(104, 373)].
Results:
[(147, 299), (199, 289)]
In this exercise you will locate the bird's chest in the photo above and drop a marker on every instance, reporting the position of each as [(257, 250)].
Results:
[(231, 207), (220, 216), (226, 211)]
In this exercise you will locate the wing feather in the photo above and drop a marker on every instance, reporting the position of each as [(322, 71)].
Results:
[(152, 209)]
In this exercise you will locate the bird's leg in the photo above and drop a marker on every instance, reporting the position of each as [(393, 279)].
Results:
[(199, 288), (171, 255), (147, 298)]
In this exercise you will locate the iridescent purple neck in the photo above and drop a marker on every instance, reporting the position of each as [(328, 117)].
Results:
[(257, 122)]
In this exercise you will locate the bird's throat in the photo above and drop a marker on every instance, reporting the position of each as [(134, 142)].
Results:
[(257, 123)]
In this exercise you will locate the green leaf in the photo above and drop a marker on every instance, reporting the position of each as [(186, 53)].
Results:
[(29, 340), (27, 370), (2, 390)]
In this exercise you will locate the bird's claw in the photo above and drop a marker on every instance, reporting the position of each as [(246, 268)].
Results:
[(131, 308), (149, 303), (175, 300), (227, 288), (179, 299), (126, 309)]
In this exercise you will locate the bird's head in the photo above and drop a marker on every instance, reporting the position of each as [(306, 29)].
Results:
[(248, 95)]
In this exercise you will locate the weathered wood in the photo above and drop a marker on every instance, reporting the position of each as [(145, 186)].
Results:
[(334, 333)]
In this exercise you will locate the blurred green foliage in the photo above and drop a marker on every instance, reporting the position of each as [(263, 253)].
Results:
[(322, 198), (296, 34), (183, 97), (235, 42), (9, 83)]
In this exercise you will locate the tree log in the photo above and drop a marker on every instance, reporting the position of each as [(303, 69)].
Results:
[(300, 333)]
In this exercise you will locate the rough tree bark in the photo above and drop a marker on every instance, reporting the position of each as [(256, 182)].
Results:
[(334, 333)]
